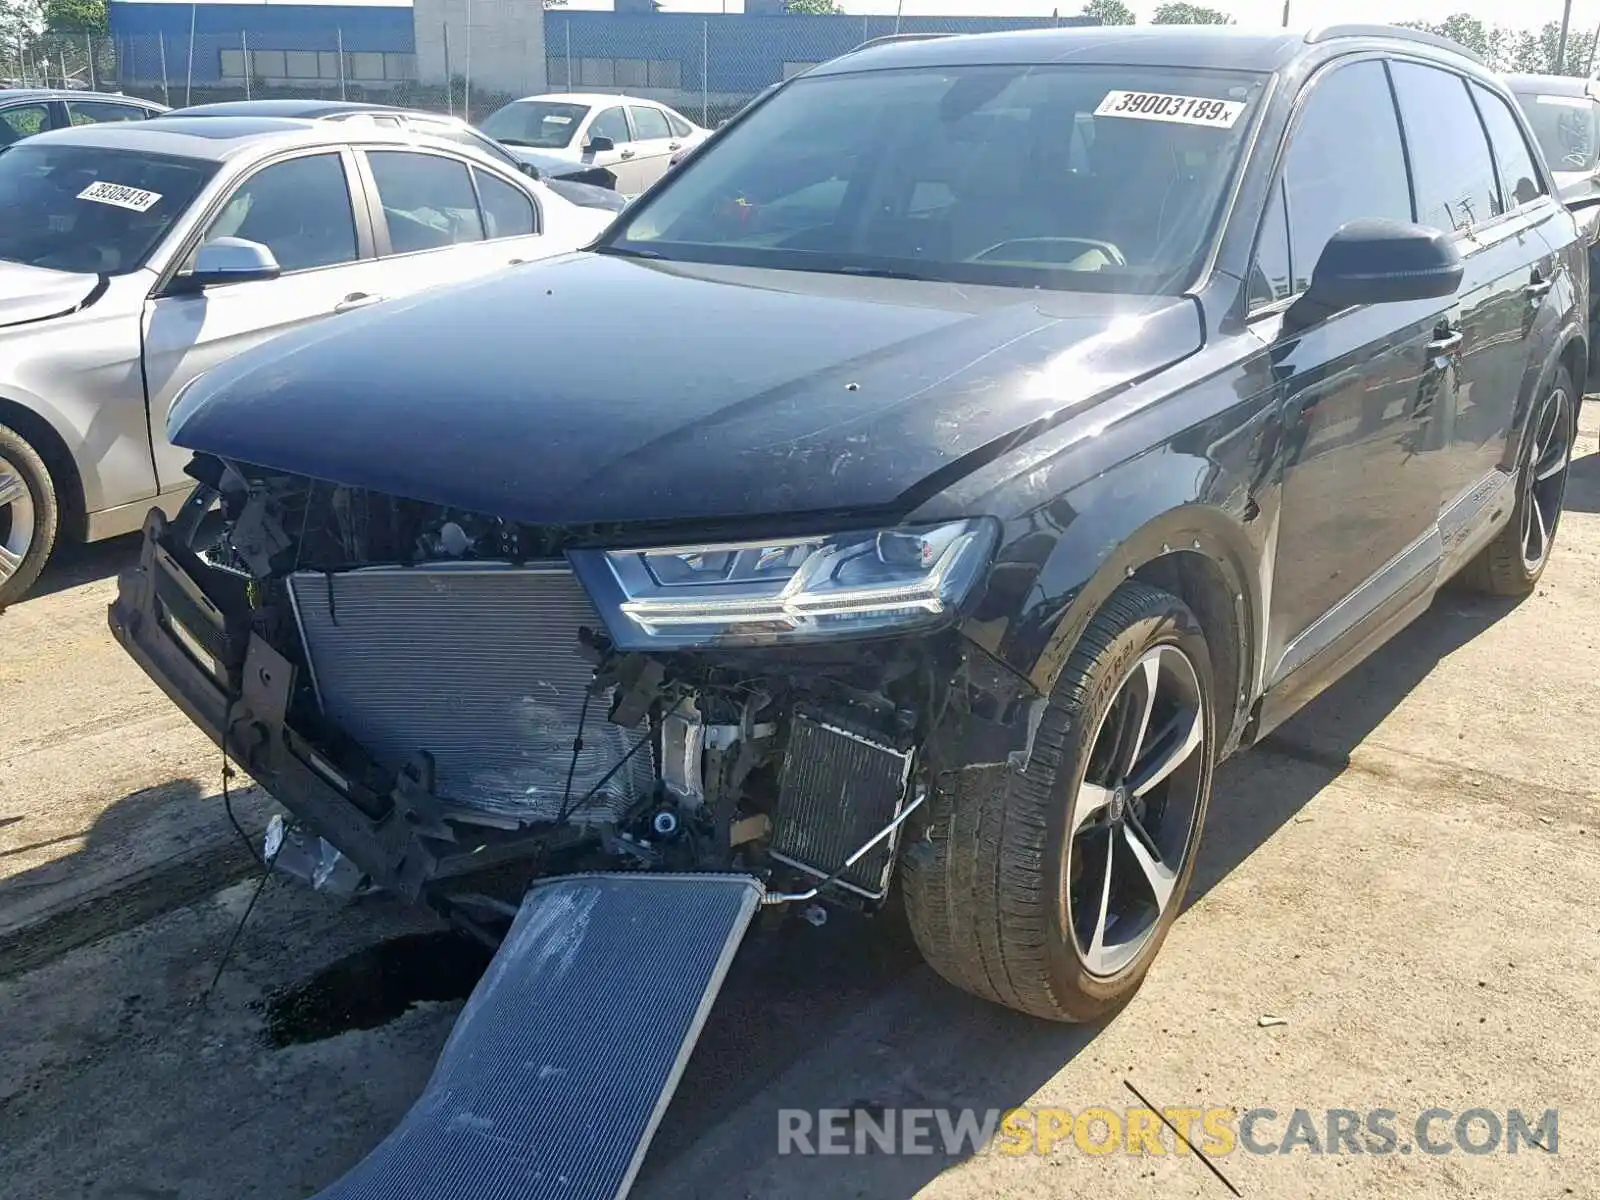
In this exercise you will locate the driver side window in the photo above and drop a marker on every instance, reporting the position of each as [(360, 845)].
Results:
[(299, 209), (1345, 161), (611, 124)]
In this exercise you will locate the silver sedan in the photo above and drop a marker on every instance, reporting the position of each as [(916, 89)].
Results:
[(135, 257)]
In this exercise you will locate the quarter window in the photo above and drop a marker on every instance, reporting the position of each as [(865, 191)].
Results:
[(1519, 180), (299, 209), (1270, 280), (428, 201), (1450, 163), (506, 211), (1345, 163), (680, 127)]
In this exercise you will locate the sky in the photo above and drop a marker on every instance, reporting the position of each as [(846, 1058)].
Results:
[(1526, 15)]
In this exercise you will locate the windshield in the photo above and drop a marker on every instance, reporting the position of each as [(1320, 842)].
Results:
[(1077, 177), (544, 124), (1565, 128), (88, 209)]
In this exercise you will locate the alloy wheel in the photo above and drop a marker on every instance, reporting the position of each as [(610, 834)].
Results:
[(16, 520), (1544, 482), (1132, 820)]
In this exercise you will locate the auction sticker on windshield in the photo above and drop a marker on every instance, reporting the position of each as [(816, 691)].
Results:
[(1183, 110), (120, 195)]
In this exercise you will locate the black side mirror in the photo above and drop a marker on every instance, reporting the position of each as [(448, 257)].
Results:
[(1378, 262), (599, 145)]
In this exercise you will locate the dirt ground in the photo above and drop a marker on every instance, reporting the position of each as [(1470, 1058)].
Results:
[(1403, 876)]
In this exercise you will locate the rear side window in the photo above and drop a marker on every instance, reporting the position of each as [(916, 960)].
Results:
[(428, 201), (98, 112), (1519, 180), (1455, 177), (651, 123), (1345, 162)]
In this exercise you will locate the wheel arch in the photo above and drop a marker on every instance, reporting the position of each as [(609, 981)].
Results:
[(40, 433), (1200, 554)]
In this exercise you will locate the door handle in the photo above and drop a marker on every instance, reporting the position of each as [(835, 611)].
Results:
[(356, 300), (626, 154), (1448, 344), (674, 145), (1537, 289)]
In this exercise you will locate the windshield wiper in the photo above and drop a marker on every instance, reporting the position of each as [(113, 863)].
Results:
[(882, 273), (630, 252), (505, 141)]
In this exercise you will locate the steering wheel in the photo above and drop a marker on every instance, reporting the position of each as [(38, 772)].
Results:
[(1014, 244)]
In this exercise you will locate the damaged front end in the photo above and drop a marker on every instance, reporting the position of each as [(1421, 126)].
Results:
[(461, 705)]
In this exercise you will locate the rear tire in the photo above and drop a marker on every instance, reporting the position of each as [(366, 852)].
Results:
[(30, 516), (1008, 890), (1512, 564)]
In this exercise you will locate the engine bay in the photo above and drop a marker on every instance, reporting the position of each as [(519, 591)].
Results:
[(447, 677)]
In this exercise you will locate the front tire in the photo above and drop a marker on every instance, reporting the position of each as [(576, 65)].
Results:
[(1050, 892), (29, 516), (1512, 564)]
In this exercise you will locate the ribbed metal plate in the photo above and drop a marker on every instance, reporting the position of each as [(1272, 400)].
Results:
[(562, 1062), (479, 666), (838, 790)]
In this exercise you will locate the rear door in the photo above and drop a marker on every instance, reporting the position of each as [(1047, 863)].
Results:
[(300, 208), (439, 220), (1362, 390), (1496, 216), (653, 142)]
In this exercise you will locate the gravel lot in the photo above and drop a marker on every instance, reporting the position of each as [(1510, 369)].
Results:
[(1405, 875)]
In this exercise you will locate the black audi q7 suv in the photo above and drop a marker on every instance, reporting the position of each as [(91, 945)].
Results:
[(922, 490)]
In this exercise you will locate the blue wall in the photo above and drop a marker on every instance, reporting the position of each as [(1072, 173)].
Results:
[(138, 31), (745, 53)]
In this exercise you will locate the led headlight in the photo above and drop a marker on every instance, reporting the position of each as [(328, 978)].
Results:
[(787, 589)]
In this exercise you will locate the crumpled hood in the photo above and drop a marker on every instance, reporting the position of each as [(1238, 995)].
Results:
[(35, 293), (594, 388)]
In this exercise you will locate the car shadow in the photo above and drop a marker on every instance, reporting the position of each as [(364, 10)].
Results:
[(76, 563), (804, 1009), (941, 1048), (1583, 485)]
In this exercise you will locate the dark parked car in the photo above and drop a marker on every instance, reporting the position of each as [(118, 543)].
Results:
[(1565, 116), (1060, 411), (27, 111)]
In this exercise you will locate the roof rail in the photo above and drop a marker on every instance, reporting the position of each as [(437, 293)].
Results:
[(1327, 33), (890, 38)]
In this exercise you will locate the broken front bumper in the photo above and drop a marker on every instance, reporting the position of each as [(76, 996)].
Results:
[(231, 683)]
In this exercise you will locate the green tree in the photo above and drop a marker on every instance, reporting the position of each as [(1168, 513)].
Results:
[(814, 8), (1110, 12), (75, 17), (1180, 13)]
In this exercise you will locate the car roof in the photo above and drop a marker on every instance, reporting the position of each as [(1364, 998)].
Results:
[(12, 95), (592, 99), (221, 138), (1200, 46), (1551, 85), (304, 109)]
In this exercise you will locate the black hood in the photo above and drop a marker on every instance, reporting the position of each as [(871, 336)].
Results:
[(594, 388)]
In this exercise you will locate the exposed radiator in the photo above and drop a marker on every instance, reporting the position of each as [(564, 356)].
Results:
[(479, 666), (839, 788)]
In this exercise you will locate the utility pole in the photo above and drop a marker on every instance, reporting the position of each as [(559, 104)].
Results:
[(1594, 43), (1286, 4), (1560, 65)]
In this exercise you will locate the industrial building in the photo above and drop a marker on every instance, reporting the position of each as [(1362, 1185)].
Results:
[(692, 61)]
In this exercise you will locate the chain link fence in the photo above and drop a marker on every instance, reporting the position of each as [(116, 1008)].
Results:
[(706, 67)]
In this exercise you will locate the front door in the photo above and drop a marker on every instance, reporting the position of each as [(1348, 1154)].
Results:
[(298, 208), (1362, 391), (622, 159)]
